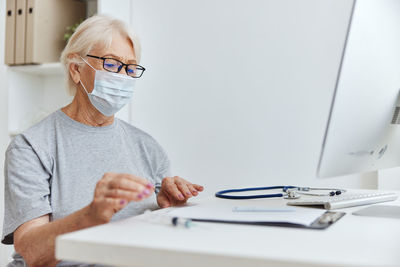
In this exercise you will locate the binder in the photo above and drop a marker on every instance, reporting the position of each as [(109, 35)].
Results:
[(9, 56), (47, 21), (20, 32)]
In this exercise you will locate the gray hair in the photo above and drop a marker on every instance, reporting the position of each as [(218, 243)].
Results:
[(96, 30)]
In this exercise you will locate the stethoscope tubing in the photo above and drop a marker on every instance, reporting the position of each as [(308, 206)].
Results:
[(221, 194), (285, 189)]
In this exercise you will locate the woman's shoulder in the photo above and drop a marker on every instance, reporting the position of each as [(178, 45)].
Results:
[(39, 133)]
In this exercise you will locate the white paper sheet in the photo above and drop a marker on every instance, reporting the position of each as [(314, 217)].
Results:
[(224, 211)]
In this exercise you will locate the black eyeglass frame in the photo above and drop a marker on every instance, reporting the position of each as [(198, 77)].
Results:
[(120, 67)]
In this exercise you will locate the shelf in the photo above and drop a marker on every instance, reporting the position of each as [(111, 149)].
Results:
[(41, 69)]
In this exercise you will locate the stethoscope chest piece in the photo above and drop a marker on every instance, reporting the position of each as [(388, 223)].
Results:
[(291, 194)]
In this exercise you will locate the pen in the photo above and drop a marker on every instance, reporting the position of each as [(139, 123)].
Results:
[(176, 221)]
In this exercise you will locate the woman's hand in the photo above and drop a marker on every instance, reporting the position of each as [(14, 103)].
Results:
[(176, 191), (114, 191)]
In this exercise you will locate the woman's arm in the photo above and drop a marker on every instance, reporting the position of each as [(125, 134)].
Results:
[(35, 239)]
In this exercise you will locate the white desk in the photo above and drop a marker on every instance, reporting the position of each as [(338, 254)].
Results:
[(352, 241)]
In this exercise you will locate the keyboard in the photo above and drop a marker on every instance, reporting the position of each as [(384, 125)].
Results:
[(345, 200)]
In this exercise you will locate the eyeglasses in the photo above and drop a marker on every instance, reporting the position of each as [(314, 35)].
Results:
[(114, 65)]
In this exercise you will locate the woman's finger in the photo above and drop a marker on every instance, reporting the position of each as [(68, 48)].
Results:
[(173, 191), (122, 182), (182, 186), (140, 180), (128, 195), (116, 203), (125, 181), (198, 187), (192, 189), (163, 201)]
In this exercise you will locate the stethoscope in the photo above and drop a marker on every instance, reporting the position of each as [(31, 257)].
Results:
[(289, 192)]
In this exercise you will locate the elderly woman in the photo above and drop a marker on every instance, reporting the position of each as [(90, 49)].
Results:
[(80, 166)]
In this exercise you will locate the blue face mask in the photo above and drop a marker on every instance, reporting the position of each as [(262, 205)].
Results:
[(111, 91)]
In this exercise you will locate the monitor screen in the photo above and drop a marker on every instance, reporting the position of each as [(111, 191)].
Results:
[(360, 135)]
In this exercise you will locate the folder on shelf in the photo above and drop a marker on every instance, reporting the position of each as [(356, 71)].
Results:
[(20, 32), (47, 21), (9, 56), (35, 29)]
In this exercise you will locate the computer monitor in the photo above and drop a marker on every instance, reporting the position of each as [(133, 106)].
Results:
[(363, 130)]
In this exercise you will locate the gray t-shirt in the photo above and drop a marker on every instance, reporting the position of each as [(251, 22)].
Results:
[(53, 167)]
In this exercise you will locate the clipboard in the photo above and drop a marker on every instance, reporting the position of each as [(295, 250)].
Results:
[(323, 222), (255, 213)]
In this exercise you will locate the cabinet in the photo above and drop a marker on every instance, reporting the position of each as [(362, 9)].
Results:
[(35, 91)]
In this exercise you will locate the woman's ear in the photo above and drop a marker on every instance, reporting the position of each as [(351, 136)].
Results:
[(74, 69)]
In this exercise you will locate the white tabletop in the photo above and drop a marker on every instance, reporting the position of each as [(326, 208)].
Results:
[(352, 241)]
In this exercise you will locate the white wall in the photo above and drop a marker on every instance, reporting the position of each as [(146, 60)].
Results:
[(238, 92), (389, 179)]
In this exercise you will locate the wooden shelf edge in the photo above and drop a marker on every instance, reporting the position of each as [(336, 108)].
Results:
[(41, 69)]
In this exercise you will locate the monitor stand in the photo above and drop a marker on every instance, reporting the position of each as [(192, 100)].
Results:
[(385, 211)]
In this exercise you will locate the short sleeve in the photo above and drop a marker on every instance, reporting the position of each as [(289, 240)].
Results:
[(27, 175), (164, 169)]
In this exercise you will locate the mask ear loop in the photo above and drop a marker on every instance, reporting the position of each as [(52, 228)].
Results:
[(83, 86), (80, 80)]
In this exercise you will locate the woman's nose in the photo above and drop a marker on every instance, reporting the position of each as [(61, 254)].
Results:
[(123, 70)]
